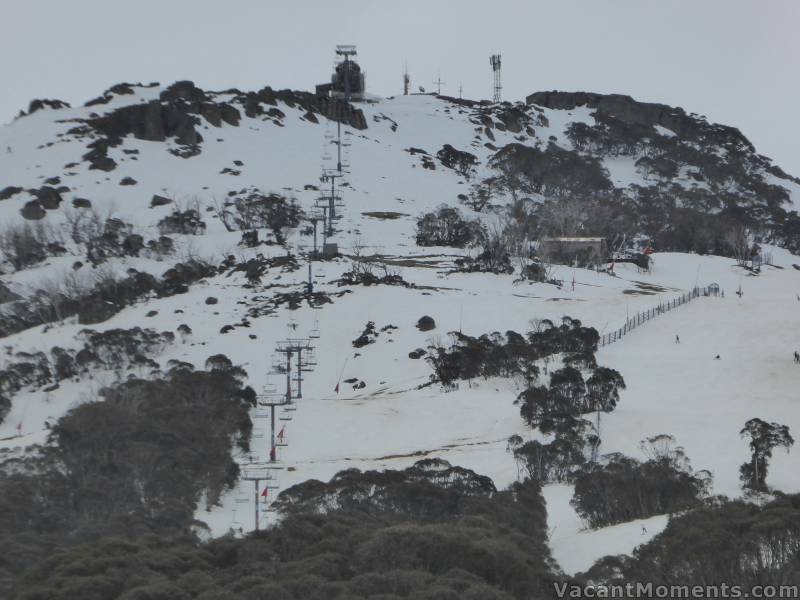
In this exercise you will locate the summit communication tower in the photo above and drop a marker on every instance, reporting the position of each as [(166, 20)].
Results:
[(439, 83), (494, 60), (406, 81)]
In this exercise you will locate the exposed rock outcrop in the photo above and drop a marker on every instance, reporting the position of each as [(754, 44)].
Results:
[(634, 112), (39, 104)]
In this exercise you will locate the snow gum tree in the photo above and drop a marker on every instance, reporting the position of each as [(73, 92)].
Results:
[(763, 438)]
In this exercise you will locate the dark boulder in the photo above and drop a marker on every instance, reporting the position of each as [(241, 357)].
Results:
[(9, 191), (127, 181), (211, 113), (81, 203), (183, 90), (426, 323), (33, 211), (98, 154), (122, 89), (48, 197), (229, 114), (157, 200)]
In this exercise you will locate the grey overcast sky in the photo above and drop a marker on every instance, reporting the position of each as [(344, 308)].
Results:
[(734, 61)]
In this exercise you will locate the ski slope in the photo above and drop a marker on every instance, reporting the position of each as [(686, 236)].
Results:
[(391, 422)]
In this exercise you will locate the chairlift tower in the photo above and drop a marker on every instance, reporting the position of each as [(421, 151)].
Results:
[(266, 403), (494, 60), (329, 201), (347, 52), (292, 348), (257, 475)]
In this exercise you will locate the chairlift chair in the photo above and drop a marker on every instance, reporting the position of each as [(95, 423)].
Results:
[(236, 526), (281, 439), (274, 398), (271, 488), (242, 497)]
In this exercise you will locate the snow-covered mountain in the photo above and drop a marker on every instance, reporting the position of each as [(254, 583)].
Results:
[(132, 207)]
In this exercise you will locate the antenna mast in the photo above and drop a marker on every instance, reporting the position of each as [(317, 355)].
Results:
[(439, 83), (406, 81), (494, 60)]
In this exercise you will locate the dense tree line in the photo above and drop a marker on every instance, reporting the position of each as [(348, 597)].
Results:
[(482, 544), (726, 191), (621, 489), (134, 464), (557, 406), (113, 349), (735, 542), (553, 171), (512, 354), (559, 410)]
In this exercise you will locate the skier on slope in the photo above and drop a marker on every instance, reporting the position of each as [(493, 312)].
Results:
[(677, 339), (796, 356)]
